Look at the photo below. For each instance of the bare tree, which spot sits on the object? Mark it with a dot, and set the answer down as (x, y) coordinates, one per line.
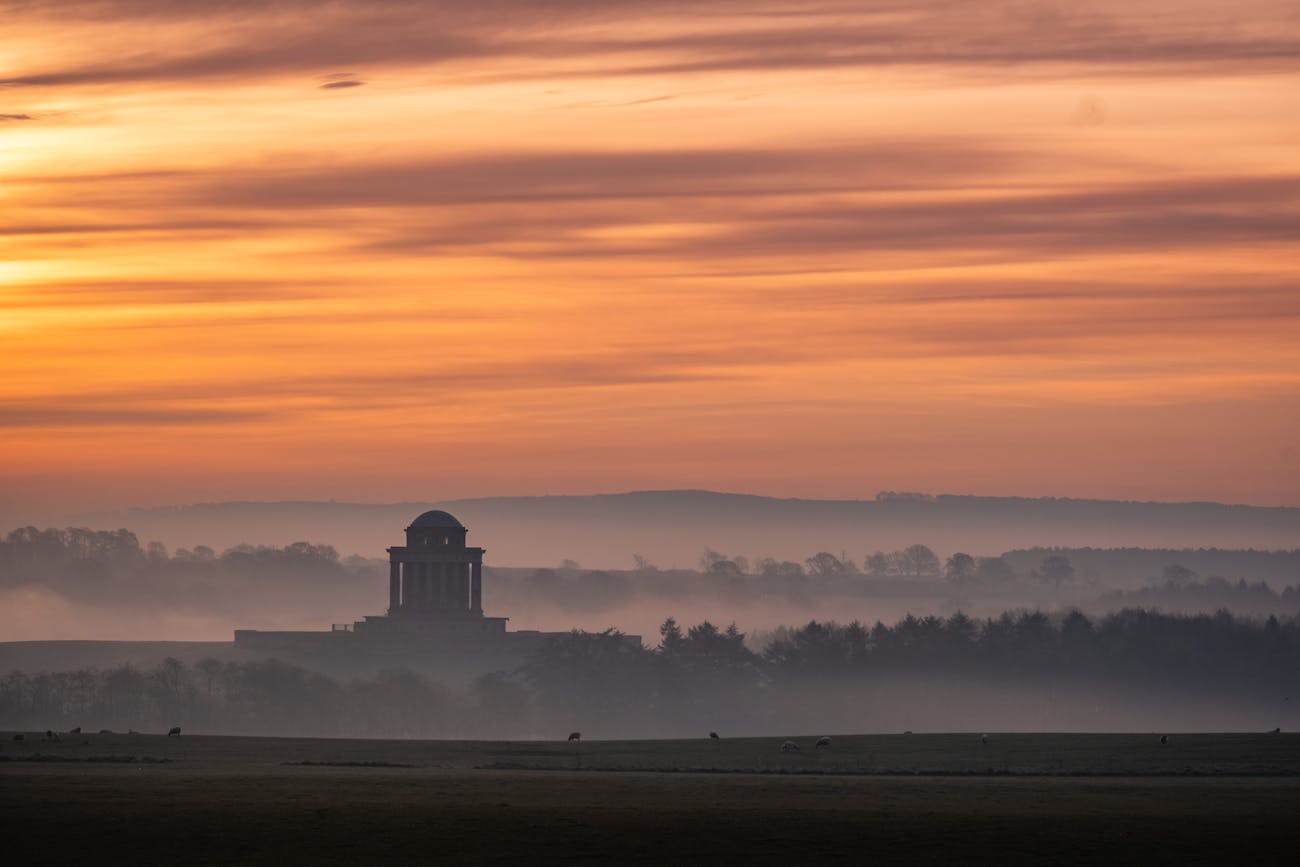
(920, 560)
(960, 568)
(1056, 569)
(826, 565)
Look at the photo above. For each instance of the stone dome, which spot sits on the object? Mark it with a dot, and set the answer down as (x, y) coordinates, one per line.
(436, 518)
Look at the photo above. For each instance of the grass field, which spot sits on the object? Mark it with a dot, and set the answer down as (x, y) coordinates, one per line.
(149, 799)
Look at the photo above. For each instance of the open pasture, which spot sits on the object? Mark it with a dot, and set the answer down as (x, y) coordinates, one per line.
(888, 798)
(1234, 754)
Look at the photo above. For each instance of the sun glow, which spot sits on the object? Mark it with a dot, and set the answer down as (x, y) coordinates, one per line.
(642, 250)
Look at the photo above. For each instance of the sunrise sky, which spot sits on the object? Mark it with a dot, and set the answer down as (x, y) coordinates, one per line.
(393, 251)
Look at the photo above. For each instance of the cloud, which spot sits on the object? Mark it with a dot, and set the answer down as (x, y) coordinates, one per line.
(907, 223)
(90, 412)
(244, 41)
(4, 117)
(215, 402)
(825, 207)
(341, 80)
(649, 100)
(113, 293)
(593, 175)
(798, 203)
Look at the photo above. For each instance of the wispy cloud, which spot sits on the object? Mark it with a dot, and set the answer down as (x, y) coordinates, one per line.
(747, 243)
(341, 81)
(798, 203)
(580, 39)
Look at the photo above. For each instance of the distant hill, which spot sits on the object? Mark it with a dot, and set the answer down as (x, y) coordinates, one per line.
(672, 528)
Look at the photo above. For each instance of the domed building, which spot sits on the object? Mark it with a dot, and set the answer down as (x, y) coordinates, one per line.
(435, 573)
(434, 624)
(435, 598)
(435, 582)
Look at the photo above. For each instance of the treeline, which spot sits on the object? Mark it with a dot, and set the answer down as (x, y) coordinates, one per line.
(79, 557)
(904, 572)
(1183, 594)
(963, 579)
(114, 567)
(940, 671)
(915, 561)
(1132, 567)
(1111, 567)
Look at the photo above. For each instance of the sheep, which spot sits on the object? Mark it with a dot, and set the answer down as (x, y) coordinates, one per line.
(984, 739)
(823, 743)
(713, 736)
(174, 731)
(789, 747)
(575, 736)
(1164, 740)
(49, 734)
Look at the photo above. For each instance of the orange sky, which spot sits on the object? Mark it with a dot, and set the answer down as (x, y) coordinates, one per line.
(413, 251)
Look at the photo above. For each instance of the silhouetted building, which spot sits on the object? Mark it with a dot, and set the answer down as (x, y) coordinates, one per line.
(435, 583)
(435, 607)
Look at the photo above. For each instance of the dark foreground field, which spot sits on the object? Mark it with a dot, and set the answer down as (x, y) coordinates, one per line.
(148, 799)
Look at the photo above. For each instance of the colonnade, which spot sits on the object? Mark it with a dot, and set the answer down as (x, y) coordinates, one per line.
(435, 586)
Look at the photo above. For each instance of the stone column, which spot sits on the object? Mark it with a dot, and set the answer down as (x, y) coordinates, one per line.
(476, 587)
(408, 586)
(443, 595)
(394, 586)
